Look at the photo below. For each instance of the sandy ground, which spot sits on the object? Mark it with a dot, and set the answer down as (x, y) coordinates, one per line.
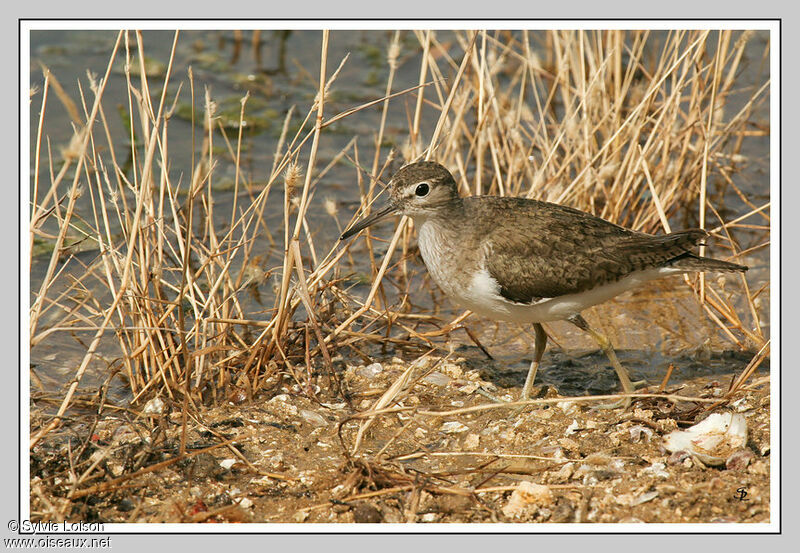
(428, 458)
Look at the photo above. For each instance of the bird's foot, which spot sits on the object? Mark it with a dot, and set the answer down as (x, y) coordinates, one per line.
(625, 401)
(532, 393)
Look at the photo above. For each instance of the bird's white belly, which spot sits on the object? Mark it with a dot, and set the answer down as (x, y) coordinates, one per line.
(483, 298)
(471, 286)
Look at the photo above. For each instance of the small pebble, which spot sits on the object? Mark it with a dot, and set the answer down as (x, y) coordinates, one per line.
(739, 460)
(370, 371)
(527, 494)
(472, 441)
(508, 434)
(678, 457)
(238, 396)
(758, 467)
(598, 458)
(452, 503)
(364, 512)
(125, 505)
(569, 444)
(452, 370)
(565, 472)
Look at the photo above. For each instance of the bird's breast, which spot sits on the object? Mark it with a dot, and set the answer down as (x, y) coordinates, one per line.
(448, 265)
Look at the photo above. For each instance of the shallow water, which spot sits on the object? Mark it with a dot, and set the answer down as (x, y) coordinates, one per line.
(650, 327)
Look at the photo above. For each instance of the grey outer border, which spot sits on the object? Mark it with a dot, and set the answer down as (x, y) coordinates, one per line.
(689, 9)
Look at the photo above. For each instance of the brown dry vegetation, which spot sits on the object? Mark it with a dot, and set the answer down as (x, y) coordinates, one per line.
(638, 133)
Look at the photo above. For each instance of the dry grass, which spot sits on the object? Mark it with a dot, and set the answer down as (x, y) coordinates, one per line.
(631, 127)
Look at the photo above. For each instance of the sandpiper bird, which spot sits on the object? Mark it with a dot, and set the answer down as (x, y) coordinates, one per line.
(528, 261)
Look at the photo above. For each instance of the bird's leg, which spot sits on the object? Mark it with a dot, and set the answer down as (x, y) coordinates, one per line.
(605, 345)
(539, 345)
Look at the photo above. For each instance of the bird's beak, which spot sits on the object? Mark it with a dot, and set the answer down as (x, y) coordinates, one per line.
(388, 210)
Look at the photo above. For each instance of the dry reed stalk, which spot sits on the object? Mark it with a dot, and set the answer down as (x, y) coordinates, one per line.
(186, 243)
(36, 308)
(282, 316)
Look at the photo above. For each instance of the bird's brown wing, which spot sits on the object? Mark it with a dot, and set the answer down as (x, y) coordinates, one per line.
(554, 250)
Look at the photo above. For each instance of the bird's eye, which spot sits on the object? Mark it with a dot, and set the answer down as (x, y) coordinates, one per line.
(422, 189)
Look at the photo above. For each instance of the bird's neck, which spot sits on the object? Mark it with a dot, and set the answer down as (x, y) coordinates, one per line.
(445, 216)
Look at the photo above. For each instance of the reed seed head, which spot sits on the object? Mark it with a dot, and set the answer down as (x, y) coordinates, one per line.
(393, 54)
(291, 177)
(330, 207)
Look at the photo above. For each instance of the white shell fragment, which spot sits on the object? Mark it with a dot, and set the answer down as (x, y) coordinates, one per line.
(313, 418)
(154, 407)
(572, 428)
(630, 500)
(711, 440)
(227, 463)
(437, 379)
(657, 469)
(454, 427)
(640, 433)
(370, 371)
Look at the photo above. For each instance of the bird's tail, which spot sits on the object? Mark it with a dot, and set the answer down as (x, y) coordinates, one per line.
(691, 262)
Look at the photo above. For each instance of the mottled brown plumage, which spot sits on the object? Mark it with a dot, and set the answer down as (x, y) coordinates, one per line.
(545, 250)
